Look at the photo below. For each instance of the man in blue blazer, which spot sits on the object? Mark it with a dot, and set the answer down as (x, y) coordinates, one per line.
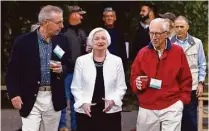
(34, 89)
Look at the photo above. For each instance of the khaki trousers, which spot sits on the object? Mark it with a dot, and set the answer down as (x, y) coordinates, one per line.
(43, 117)
(168, 119)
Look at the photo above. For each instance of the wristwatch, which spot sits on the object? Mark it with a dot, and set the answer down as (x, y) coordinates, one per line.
(202, 82)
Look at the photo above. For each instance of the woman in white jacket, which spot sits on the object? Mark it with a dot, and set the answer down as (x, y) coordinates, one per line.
(98, 86)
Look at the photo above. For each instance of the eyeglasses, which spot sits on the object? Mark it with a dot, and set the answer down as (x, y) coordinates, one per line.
(157, 34)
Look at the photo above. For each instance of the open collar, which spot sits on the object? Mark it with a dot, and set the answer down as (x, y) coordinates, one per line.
(150, 46)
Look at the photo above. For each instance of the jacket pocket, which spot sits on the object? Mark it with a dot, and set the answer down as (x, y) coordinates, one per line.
(192, 57)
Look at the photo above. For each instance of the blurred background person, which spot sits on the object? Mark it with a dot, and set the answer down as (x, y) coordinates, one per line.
(170, 17)
(117, 46)
(77, 40)
(142, 38)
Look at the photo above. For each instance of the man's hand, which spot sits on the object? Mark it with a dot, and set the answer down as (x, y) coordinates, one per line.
(56, 68)
(87, 108)
(109, 104)
(17, 102)
(199, 90)
(138, 83)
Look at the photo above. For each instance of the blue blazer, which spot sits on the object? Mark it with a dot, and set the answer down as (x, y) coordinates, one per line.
(23, 75)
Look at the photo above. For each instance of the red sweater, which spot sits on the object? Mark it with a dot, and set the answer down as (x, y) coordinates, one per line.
(172, 69)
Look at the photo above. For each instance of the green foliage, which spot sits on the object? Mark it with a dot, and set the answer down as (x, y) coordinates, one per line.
(17, 17)
(195, 11)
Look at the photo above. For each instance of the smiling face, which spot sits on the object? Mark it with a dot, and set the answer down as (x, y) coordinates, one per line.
(109, 18)
(99, 41)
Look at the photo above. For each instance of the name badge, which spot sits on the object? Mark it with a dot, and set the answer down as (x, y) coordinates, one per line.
(155, 83)
(58, 51)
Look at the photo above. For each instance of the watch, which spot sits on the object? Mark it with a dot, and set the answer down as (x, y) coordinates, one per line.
(202, 82)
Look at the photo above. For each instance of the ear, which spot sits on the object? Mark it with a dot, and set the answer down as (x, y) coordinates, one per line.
(187, 27)
(151, 14)
(103, 18)
(115, 18)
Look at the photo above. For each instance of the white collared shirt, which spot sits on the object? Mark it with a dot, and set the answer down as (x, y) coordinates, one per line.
(183, 43)
(145, 26)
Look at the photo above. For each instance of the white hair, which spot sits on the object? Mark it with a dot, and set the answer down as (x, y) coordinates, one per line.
(162, 21)
(94, 31)
(46, 13)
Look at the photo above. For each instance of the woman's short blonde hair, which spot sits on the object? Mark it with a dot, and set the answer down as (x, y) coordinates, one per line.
(99, 29)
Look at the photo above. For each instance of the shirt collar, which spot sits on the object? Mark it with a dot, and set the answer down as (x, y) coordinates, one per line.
(145, 26)
(189, 38)
(182, 41)
(107, 54)
(41, 38)
(163, 49)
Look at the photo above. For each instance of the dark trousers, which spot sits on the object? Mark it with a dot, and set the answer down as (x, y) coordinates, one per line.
(189, 119)
(99, 121)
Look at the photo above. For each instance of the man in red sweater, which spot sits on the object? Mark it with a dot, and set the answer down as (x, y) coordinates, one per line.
(161, 78)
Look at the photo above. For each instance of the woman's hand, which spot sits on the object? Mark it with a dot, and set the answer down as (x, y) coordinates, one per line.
(109, 104)
(87, 108)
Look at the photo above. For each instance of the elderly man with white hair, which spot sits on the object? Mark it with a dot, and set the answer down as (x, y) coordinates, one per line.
(161, 78)
(98, 86)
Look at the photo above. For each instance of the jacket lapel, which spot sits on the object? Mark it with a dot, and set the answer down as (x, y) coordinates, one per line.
(34, 42)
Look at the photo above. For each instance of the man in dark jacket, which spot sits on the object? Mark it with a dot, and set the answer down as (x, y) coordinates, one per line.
(117, 46)
(77, 40)
(34, 89)
(141, 39)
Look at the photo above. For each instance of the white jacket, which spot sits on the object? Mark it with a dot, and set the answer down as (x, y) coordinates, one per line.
(84, 81)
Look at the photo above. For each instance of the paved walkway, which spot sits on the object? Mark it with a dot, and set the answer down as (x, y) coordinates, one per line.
(11, 121)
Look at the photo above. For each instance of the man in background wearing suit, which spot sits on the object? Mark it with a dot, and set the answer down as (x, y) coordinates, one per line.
(142, 38)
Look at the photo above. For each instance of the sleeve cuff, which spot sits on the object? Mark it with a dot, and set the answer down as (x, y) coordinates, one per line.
(201, 78)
